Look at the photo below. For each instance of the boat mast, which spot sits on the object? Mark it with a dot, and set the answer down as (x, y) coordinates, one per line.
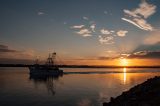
(51, 59)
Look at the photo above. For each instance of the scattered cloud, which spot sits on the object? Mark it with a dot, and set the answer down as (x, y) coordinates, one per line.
(124, 55)
(130, 13)
(140, 23)
(84, 32)
(4, 48)
(64, 23)
(146, 55)
(112, 31)
(144, 10)
(139, 15)
(132, 22)
(85, 18)
(40, 13)
(86, 35)
(77, 26)
(122, 33)
(104, 58)
(149, 47)
(109, 55)
(141, 53)
(92, 22)
(15, 61)
(93, 26)
(7, 54)
(105, 12)
(153, 38)
(28, 54)
(106, 39)
(105, 31)
(105, 36)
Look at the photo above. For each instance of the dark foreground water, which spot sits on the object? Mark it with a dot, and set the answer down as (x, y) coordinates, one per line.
(77, 87)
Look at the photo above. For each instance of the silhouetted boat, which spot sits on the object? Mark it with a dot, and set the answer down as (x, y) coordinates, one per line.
(49, 69)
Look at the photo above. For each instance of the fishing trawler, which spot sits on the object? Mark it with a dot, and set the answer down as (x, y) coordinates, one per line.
(48, 69)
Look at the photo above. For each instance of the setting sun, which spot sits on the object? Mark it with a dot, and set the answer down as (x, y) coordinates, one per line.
(123, 62)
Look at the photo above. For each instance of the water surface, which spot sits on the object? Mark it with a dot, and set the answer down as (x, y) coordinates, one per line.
(77, 87)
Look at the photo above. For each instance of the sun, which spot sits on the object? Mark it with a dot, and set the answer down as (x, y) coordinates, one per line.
(123, 62)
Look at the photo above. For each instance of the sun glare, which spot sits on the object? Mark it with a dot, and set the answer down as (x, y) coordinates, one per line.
(123, 62)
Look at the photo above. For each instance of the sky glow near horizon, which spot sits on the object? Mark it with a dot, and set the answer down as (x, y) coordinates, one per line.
(92, 32)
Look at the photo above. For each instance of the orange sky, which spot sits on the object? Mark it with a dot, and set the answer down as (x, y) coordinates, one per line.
(116, 62)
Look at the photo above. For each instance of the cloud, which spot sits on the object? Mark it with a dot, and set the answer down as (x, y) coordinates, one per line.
(146, 47)
(4, 48)
(106, 39)
(105, 58)
(132, 22)
(85, 18)
(108, 55)
(86, 35)
(77, 26)
(151, 42)
(146, 55)
(122, 33)
(84, 32)
(64, 23)
(144, 10)
(93, 26)
(124, 55)
(15, 61)
(153, 38)
(140, 23)
(143, 23)
(105, 12)
(139, 15)
(107, 36)
(40, 13)
(27, 54)
(11, 55)
(112, 31)
(130, 13)
(105, 31)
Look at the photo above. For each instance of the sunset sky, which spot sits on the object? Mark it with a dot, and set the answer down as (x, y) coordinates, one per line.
(88, 32)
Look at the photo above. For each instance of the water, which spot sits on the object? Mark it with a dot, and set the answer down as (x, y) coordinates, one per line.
(77, 87)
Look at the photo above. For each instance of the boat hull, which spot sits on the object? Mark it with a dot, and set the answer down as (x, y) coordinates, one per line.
(45, 71)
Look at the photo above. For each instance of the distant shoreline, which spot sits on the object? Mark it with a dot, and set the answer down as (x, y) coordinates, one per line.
(79, 66)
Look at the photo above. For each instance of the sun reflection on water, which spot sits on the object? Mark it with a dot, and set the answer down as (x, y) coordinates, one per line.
(124, 75)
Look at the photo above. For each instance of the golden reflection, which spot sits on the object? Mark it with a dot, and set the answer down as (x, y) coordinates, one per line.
(124, 75)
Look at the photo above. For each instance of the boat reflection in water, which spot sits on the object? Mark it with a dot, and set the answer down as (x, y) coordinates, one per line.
(47, 80)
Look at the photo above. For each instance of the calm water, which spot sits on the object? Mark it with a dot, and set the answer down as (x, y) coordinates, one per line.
(77, 87)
